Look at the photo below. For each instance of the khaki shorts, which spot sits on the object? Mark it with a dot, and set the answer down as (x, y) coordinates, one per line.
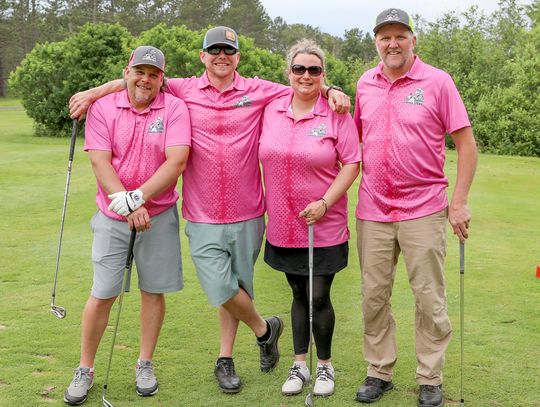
(156, 252)
(224, 256)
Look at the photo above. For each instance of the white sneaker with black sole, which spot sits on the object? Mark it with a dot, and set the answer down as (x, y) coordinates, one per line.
(298, 377)
(82, 382)
(324, 382)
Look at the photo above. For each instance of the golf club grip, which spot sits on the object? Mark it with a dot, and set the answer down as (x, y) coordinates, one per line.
(129, 258)
(73, 138)
(461, 257)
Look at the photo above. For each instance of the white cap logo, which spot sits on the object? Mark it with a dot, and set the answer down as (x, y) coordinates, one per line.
(150, 56)
(392, 16)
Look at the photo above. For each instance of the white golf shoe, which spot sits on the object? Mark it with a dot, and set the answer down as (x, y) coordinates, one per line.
(298, 376)
(324, 382)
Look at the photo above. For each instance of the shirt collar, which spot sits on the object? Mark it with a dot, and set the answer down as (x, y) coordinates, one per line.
(416, 72)
(320, 109)
(239, 83)
(123, 102)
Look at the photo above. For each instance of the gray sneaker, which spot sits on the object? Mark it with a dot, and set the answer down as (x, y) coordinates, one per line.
(82, 382)
(146, 383)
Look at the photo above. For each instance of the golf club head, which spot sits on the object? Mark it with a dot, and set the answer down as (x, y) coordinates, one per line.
(58, 312)
(106, 403)
(309, 400)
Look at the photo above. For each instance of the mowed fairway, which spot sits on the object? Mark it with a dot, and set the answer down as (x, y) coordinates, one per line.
(38, 351)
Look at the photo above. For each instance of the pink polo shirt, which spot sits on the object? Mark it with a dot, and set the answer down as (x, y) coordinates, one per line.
(222, 180)
(300, 160)
(402, 126)
(137, 142)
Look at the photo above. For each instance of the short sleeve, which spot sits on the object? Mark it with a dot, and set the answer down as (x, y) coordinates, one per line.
(96, 134)
(348, 142)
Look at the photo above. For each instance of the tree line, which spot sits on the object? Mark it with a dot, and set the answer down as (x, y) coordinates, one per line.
(493, 58)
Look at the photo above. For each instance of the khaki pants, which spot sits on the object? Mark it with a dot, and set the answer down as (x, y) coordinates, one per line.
(423, 244)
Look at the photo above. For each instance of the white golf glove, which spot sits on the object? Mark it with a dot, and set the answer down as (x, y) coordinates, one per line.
(125, 202)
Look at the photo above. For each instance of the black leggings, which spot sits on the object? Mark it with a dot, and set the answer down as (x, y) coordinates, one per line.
(323, 314)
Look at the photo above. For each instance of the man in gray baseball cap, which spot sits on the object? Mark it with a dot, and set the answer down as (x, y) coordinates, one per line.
(138, 142)
(404, 109)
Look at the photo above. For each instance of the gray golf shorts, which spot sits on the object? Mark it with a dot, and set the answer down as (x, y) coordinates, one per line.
(156, 252)
(224, 256)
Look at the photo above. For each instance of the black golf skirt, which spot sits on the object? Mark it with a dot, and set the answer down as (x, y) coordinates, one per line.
(326, 260)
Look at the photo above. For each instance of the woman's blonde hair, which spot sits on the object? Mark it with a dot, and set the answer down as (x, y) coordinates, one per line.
(304, 46)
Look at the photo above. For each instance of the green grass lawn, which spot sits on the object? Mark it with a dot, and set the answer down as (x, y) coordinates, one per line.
(38, 352)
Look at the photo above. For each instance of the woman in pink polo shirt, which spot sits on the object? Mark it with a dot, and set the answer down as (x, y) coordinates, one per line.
(310, 157)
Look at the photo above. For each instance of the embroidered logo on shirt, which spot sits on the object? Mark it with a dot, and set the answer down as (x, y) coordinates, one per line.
(416, 98)
(244, 101)
(318, 131)
(157, 126)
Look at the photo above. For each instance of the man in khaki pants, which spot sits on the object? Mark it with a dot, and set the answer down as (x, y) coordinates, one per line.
(403, 110)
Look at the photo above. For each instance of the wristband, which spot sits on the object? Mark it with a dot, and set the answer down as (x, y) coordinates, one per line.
(332, 87)
(325, 205)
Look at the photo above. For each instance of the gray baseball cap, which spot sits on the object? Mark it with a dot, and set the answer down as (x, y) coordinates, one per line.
(393, 16)
(147, 55)
(220, 35)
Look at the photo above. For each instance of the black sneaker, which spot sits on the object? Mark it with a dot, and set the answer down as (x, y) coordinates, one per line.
(430, 396)
(269, 348)
(227, 379)
(372, 390)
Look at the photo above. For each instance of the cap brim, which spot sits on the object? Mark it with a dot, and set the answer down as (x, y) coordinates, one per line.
(223, 43)
(146, 63)
(378, 27)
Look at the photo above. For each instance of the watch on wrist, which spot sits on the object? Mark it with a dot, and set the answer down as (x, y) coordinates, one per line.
(333, 87)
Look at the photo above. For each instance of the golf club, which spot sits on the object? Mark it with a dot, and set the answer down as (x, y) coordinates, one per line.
(309, 397)
(461, 306)
(127, 271)
(56, 310)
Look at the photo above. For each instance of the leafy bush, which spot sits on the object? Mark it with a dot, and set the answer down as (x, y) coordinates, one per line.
(52, 72)
(507, 119)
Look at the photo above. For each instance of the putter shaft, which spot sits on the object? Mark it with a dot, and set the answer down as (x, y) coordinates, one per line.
(309, 397)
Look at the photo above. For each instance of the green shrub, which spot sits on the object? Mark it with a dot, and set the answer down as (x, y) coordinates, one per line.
(52, 72)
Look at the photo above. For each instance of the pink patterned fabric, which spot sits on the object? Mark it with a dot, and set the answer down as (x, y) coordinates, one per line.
(137, 142)
(300, 161)
(402, 126)
(222, 181)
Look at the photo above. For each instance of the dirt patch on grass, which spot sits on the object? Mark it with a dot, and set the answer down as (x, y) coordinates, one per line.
(45, 394)
(48, 358)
